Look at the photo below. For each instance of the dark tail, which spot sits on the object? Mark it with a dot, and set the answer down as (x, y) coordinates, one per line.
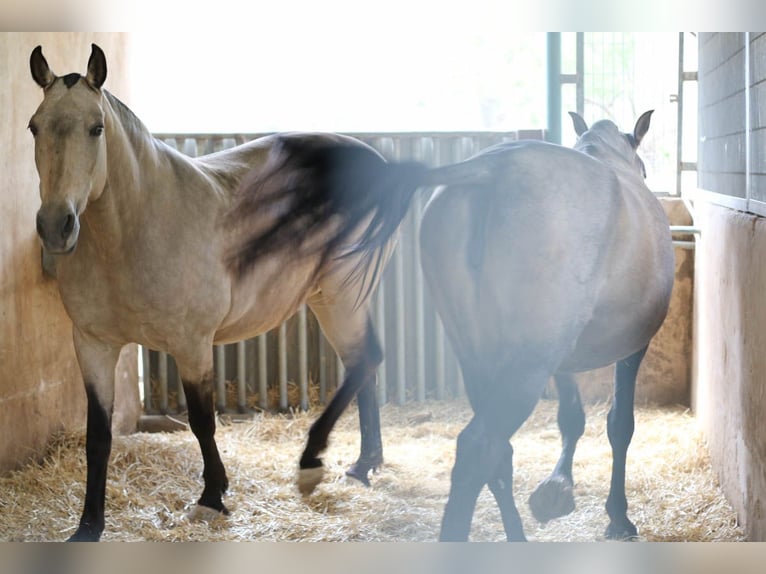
(321, 194)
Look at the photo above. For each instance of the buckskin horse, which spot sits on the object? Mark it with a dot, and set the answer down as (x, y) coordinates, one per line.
(137, 233)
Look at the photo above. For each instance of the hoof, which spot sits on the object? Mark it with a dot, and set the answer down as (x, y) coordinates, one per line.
(202, 513)
(84, 535)
(621, 530)
(360, 473)
(309, 478)
(552, 498)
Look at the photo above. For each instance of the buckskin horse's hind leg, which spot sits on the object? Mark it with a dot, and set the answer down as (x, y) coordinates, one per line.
(553, 497)
(97, 363)
(371, 452)
(350, 331)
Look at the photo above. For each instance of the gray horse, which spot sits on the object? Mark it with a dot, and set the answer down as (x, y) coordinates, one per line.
(542, 261)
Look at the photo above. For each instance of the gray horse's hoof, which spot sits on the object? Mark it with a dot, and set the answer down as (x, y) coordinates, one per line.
(621, 530)
(360, 470)
(552, 498)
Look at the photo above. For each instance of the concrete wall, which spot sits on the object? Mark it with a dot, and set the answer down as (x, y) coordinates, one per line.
(729, 393)
(41, 389)
(728, 382)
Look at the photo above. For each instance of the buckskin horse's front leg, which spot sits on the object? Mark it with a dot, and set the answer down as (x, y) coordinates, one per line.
(97, 363)
(197, 378)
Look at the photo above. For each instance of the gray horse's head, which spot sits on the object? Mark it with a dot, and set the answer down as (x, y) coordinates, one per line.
(605, 141)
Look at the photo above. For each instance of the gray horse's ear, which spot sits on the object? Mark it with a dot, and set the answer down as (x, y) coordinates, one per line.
(96, 75)
(642, 126)
(41, 72)
(580, 126)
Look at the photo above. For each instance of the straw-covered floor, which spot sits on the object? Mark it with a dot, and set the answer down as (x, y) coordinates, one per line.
(154, 479)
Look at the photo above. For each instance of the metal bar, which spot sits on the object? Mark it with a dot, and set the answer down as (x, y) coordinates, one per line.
(399, 306)
(220, 378)
(553, 57)
(748, 123)
(684, 229)
(282, 351)
(162, 368)
(399, 329)
(241, 377)
(263, 372)
(340, 371)
(580, 72)
(680, 111)
(181, 393)
(146, 372)
(303, 360)
(380, 320)
(322, 369)
(439, 358)
(420, 321)
(460, 382)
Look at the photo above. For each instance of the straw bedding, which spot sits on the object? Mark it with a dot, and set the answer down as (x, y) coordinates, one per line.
(155, 478)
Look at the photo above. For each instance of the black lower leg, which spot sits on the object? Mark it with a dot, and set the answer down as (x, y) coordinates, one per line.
(501, 486)
(199, 399)
(371, 455)
(98, 445)
(571, 422)
(554, 497)
(620, 426)
(469, 475)
(358, 376)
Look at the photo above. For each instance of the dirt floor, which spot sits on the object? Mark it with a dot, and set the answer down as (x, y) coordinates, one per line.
(154, 479)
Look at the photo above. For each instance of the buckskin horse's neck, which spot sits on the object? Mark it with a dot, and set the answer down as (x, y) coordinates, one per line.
(134, 167)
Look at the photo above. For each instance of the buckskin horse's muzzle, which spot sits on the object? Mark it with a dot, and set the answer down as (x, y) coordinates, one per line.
(58, 226)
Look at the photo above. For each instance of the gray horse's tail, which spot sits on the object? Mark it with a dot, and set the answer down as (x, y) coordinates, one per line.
(322, 194)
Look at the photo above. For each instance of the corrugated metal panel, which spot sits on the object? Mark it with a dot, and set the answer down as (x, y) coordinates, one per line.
(294, 366)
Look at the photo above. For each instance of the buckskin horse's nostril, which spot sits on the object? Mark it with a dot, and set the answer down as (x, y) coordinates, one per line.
(39, 225)
(68, 226)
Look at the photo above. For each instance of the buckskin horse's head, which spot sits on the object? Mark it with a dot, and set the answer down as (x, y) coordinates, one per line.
(70, 147)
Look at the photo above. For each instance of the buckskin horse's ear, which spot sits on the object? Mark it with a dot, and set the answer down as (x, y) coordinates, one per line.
(642, 126)
(96, 75)
(41, 72)
(580, 126)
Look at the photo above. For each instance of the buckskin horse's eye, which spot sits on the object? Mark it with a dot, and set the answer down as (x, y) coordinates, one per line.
(97, 130)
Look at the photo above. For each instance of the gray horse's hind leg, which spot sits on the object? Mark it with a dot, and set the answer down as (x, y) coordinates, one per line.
(501, 486)
(620, 424)
(484, 454)
(553, 497)
(199, 400)
(474, 459)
